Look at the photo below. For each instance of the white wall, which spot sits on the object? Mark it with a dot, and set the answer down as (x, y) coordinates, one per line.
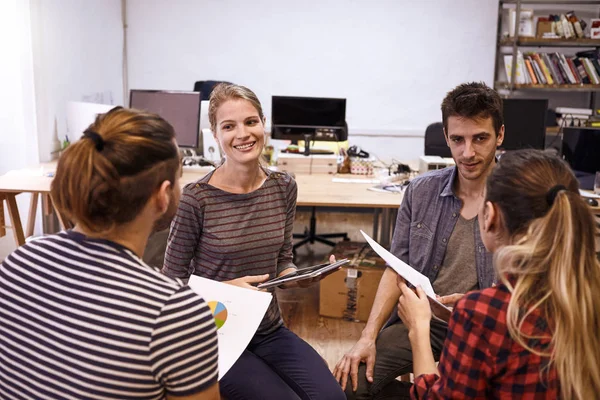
(77, 47)
(393, 60)
(18, 142)
(18, 135)
(53, 51)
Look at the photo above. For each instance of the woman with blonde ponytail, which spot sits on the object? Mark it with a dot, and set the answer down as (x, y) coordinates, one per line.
(536, 334)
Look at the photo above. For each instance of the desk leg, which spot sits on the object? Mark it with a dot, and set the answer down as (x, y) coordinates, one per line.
(385, 228)
(376, 213)
(46, 204)
(393, 219)
(32, 213)
(2, 221)
(15, 220)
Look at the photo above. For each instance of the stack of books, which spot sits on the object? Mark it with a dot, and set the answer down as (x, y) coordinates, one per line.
(555, 68)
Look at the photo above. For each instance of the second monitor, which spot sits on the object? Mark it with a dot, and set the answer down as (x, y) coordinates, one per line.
(524, 124)
(316, 118)
(180, 109)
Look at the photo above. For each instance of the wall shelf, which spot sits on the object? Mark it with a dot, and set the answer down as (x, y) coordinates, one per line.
(564, 88)
(555, 2)
(539, 42)
(514, 45)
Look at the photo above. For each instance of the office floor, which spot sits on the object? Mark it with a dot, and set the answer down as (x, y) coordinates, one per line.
(331, 337)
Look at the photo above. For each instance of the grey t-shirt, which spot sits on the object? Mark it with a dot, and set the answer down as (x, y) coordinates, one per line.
(458, 273)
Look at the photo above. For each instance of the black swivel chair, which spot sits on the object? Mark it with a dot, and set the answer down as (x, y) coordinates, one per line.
(310, 234)
(206, 88)
(435, 141)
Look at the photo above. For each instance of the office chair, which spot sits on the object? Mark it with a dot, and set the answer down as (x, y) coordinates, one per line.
(435, 141)
(206, 88)
(310, 234)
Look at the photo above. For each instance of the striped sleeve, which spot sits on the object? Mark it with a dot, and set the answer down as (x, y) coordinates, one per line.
(184, 236)
(183, 347)
(284, 260)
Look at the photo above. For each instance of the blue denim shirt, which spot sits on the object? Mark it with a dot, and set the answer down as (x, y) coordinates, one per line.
(426, 219)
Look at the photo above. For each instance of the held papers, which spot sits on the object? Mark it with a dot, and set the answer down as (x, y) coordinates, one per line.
(237, 312)
(412, 276)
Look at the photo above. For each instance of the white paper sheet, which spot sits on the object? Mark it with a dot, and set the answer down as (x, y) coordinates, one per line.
(403, 269)
(413, 277)
(238, 313)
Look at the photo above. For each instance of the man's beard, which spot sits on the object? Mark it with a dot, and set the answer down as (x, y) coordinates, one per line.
(164, 221)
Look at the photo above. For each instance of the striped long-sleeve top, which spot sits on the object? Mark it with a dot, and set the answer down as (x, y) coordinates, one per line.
(84, 318)
(223, 236)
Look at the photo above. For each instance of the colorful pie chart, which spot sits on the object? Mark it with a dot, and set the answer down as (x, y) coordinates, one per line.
(219, 312)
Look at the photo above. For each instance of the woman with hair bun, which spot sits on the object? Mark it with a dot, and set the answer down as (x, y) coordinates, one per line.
(81, 315)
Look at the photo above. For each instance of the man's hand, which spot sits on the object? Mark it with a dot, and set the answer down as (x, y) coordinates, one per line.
(414, 308)
(363, 351)
(451, 299)
(247, 281)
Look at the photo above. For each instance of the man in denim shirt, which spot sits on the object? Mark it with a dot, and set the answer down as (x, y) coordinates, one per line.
(437, 234)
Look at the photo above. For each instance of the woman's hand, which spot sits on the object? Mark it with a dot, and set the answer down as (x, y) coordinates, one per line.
(304, 283)
(413, 308)
(451, 299)
(247, 281)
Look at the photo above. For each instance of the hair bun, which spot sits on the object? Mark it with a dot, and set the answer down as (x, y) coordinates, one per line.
(96, 138)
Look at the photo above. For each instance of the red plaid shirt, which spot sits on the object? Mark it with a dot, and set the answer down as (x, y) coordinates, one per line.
(481, 360)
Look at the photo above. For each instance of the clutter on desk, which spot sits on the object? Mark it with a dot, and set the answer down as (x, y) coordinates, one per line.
(343, 162)
(312, 164)
(292, 148)
(390, 187)
(200, 161)
(268, 154)
(430, 163)
(361, 166)
(357, 152)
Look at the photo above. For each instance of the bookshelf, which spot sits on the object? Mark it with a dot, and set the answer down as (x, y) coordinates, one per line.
(557, 88)
(512, 46)
(541, 42)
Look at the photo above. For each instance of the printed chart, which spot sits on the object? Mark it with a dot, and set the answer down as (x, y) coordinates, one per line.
(219, 312)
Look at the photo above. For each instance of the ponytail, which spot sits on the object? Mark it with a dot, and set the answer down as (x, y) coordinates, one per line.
(551, 265)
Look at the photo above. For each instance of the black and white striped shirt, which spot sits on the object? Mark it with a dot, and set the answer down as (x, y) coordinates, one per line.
(84, 318)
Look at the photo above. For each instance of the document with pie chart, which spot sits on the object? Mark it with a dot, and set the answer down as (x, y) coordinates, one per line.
(237, 313)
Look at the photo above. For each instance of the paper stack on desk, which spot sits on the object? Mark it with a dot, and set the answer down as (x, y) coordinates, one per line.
(237, 312)
(411, 276)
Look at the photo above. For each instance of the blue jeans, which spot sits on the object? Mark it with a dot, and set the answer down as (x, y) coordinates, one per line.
(280, 366)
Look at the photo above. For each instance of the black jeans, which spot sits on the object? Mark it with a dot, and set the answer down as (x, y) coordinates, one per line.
(393, 358)
(280, 366)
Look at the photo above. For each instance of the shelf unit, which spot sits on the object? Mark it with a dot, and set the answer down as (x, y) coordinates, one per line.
(556, 88)
(515, 43)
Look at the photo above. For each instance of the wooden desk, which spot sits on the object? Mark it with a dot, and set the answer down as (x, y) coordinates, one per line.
(313, 190)
(28, 180)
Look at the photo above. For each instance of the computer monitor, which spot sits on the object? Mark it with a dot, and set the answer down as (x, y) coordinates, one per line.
(524, 124)
(581, 149)
(294, 118)
(179, 108)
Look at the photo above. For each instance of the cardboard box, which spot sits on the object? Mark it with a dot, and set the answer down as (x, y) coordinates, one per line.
(349, 292)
